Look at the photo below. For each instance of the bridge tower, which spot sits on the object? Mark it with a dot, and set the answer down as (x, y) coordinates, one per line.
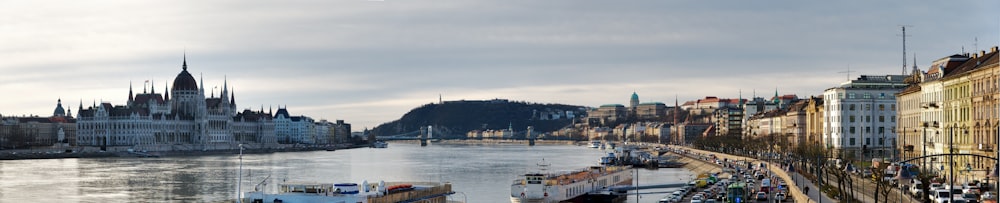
(423, 136)
(531, 137)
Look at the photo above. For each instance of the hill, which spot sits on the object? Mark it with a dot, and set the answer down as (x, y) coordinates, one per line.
(456, 118)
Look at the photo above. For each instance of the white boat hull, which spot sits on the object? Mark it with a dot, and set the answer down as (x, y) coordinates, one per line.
(554, 191)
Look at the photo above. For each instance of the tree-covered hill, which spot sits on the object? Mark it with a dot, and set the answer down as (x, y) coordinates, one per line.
(456, 118)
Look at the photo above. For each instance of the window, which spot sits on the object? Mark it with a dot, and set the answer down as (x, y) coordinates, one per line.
(893, 118)
(852, 107)
(868, 118)
(881, 118)
(852, 118)
(881, 107)
(850, 96)
(881, 130)
(852, 141)
(881, 141)
(892, 107)
(852, 132)
(868, 141)
(868, 129)
(868, 95)
(840, 95)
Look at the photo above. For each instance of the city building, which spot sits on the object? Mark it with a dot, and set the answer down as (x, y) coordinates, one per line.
(909, 125)
(814, 120)
(186, 121)
(294, 129)
(794, 121)
(860, 116)
(985, 119)
(58, 130)
(651, 110)
(689, 132)
(607, 114)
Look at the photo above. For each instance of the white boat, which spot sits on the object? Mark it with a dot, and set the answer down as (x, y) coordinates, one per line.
(380, 144)
(353, 192)
(609, 159)
(595, 144)
(552, 188)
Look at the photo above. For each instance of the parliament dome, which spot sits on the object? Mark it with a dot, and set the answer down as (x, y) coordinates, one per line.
(184, 80)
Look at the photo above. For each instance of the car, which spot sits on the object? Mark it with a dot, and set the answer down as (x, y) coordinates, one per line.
(866, 173)
(697, 199)
(917, 189)
(970, 197)
(761, 196)
(710, 201)
(988, 195)
(664, 200)
(970, 189)
(780, 197)
(940, 196)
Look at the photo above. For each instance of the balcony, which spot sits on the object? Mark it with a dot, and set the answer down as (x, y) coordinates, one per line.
(986, 147)
(908, 148)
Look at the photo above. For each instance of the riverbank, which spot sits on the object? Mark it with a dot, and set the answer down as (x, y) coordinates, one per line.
(697, 166)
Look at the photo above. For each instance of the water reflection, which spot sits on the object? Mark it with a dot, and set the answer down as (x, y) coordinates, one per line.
(483, 172)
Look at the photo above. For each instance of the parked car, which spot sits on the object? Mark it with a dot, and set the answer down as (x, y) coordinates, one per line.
(970, 197)
(939, 196)
(988, 195)
(917, 189)
(937, 186)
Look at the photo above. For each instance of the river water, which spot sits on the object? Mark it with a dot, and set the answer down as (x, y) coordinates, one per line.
(479, 172)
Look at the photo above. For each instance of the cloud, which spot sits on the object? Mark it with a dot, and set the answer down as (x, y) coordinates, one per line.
(369, 62)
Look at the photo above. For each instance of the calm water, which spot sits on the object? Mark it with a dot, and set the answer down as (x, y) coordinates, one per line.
(482, 172)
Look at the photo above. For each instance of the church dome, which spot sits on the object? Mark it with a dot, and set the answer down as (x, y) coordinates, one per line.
(59, 109)
(184, 80)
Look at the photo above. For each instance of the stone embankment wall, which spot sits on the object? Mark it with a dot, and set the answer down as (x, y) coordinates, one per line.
(794, 192)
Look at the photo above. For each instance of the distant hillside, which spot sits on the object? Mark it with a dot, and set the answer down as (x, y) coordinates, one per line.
(455, 118)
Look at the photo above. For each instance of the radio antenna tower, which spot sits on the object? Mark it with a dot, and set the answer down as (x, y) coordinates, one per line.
(903, 72)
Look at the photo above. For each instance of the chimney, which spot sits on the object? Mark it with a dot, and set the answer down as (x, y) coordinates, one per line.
(993, 49)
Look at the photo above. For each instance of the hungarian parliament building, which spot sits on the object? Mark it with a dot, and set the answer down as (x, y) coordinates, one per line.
(182, 118)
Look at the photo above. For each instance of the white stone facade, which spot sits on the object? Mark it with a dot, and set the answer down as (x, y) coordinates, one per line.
(861, 113)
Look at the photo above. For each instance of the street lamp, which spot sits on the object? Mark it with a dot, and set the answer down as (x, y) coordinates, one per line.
(924, 141)
(239, 190)
(951, 159)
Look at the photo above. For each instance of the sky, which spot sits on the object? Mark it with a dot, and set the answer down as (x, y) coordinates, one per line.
(370, 62)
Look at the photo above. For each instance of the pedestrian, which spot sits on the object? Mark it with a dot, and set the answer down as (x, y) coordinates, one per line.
(806, 190)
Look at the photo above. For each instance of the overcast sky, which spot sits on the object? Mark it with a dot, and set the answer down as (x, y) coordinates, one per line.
(369, 62)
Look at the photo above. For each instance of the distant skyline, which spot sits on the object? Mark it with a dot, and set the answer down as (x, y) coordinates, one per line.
(369, 62)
